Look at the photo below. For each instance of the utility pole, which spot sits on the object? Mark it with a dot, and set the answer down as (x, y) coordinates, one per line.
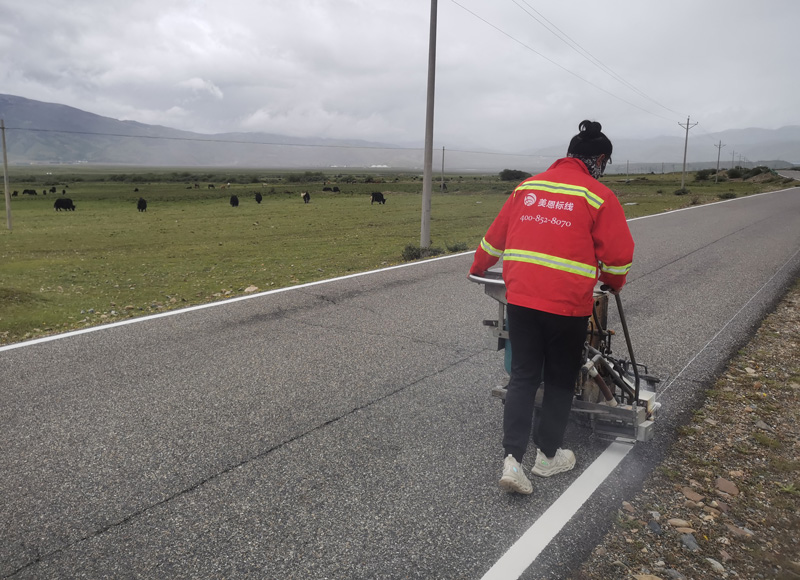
(685, 149)
(5, 174)
(427, 176)
(441, 186)
(733, 154)
(719, 147)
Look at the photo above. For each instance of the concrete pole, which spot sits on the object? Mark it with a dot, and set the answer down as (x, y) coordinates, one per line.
(685, 149)
(5, 174)
(719, 152)
(441, 187)
(427, 176)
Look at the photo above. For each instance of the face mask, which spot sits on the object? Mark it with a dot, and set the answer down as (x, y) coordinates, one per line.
(591, 164)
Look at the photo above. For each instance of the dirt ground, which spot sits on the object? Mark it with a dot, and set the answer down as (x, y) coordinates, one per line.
(724, 504)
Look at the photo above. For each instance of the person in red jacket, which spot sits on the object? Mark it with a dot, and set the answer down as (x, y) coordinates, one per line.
(558, 233)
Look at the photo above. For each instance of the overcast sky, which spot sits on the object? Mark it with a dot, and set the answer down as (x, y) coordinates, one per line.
(358, 68)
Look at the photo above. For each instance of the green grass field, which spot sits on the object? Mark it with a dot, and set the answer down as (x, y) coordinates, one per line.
(107, 261)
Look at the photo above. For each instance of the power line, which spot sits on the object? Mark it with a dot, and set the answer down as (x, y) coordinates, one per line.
(574, 45)
(273, 144)
(553, 29)
(565, 69)
(709, 136)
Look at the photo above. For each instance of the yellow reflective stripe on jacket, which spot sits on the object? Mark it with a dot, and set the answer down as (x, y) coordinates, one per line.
(618, 270)
(562, 188)
(587, 270)
(490, 249)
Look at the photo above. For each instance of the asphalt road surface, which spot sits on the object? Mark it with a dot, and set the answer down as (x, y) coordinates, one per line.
(345, 429)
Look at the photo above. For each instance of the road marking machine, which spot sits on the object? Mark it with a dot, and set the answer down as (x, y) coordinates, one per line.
(614, 396)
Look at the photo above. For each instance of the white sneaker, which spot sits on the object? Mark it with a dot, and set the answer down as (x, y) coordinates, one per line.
(514, 477)
(564, 460)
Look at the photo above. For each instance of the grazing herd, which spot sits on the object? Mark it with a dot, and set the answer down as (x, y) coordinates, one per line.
(34, 192)
(66, 204)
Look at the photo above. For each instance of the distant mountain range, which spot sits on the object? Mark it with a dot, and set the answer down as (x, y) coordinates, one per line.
(42, 133)
(776, 148)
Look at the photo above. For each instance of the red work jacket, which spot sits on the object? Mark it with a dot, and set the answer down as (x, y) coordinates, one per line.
(557, 233)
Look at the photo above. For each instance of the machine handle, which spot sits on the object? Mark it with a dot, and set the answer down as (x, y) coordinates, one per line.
(484, 280)
(627, 337)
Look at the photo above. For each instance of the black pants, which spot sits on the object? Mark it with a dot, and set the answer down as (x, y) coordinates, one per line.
(544, 347)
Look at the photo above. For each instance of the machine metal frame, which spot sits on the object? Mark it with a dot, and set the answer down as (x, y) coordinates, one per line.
(615, 397)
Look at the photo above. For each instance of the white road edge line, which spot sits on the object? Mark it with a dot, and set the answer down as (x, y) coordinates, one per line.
(299, 286)
(523, 553)
(693, 207)
(724, 326)
(219, 303)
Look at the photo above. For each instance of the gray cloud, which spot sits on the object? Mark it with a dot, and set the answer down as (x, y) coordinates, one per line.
(358, 68)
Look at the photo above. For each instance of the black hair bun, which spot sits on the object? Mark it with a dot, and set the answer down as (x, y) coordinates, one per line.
(591, 128)
(590, 141)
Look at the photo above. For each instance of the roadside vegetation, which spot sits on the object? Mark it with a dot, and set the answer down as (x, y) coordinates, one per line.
(106, 261)
(723, 503)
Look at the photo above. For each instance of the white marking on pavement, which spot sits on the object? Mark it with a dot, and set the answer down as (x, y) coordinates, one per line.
(218, 303)
(724, 326)
(525, 551)
(693, 207)
(522, 554)
(299, 286)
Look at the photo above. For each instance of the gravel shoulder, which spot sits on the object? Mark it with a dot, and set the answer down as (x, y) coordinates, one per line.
(724, 503)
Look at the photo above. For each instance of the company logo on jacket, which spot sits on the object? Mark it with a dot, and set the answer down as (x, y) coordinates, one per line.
(530, 199)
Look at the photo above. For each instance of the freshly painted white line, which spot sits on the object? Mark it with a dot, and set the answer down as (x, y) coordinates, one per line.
(522, 554)
(724, 326)
(219, 303)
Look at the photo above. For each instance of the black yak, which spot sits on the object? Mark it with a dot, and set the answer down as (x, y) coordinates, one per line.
(64, 203)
